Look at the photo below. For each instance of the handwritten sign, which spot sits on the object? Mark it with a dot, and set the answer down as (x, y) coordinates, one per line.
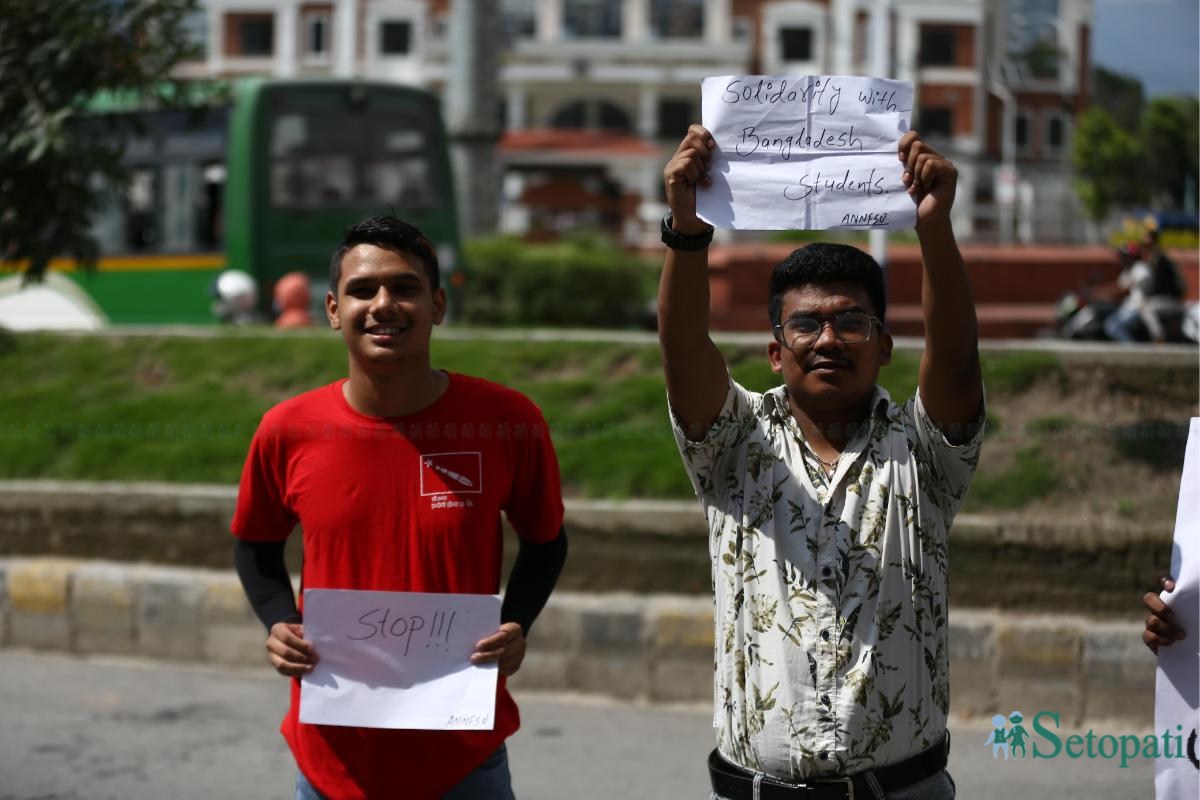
(1177, 691)
(807, 152)
(399, 660)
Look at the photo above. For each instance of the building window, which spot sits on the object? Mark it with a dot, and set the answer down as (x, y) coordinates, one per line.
(1056, 134)
(674, 117)
(612, 118)
(519, 19)
(677, 19)
(592, 19)
(1042, 59)
(862, 38)
(395, 37)
(256, 36)
(316, 36)
(937, 47)
(572, 117)
(936, 122)
(1021, 131)
(795, 44)
(592, 115)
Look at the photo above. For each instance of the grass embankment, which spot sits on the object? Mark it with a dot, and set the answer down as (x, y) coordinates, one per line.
(183, 409)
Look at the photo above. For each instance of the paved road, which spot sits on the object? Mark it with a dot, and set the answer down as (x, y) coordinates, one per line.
(105, 728)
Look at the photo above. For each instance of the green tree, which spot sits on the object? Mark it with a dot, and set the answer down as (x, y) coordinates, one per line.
(1108, 163)
(1170, 139)
(1120, 95)
(55, 55)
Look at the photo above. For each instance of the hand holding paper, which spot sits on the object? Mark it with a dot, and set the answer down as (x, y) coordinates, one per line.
(1161, 628)
(930, 178)
(506, 648)
(685, 174)
(288, 651)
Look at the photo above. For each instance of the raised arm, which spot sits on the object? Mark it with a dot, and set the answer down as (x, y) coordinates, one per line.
(697, 378)
(951, 385)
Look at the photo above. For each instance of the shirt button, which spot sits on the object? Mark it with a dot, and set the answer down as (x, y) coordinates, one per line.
(824, 756)
(825, 635)
(826, 571)
(825, 699)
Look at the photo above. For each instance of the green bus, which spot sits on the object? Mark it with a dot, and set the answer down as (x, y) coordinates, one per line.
(262, 176)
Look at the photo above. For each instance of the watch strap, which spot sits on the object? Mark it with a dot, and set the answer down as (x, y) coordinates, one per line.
(678, 241)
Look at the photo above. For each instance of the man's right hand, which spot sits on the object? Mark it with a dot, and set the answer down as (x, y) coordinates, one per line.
(686, 170)
(1161, 630)
(288, 651)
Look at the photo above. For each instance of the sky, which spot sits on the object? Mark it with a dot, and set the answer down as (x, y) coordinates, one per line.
(1157, 41)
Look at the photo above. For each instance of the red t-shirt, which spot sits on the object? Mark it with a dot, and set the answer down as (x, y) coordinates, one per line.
(406, 504)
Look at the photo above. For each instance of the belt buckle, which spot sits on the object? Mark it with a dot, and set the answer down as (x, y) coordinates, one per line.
(849, 786)
(810, 788)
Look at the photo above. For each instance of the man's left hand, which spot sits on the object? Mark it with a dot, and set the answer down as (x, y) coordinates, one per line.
(506, 646)
(931, 179)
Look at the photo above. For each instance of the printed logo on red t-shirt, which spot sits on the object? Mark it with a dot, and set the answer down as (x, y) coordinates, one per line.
(451, 473)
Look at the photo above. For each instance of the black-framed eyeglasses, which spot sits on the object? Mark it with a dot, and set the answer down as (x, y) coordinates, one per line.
(852, 327)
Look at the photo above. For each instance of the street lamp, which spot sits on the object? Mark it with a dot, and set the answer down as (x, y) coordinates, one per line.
(881, 18)
(1006, 177)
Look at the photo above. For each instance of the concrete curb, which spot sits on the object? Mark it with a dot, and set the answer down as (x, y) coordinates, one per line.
(1004, 561)
(655, 648)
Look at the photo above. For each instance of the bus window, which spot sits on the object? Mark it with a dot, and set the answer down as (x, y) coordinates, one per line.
(210, 221)
(314, 180)
(181, 195)
(140, 226)
(401, 182)
(289, 132)
(398, 169)
(312, 162)
(108, 224)
(319, 160)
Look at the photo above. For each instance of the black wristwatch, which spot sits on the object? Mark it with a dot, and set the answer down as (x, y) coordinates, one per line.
(678, 241)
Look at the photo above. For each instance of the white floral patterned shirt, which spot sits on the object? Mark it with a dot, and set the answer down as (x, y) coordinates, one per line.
(830, 592)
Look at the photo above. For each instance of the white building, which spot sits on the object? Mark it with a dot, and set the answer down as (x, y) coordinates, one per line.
(596, 93)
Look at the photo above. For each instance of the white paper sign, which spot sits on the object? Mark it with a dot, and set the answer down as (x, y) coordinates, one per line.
(399, 660)
(807, 152)
(1177, 691)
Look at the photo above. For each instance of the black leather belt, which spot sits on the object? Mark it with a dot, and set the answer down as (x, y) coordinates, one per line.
(734, 783)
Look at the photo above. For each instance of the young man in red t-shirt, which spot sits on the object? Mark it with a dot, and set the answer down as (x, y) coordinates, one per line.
(397, 476)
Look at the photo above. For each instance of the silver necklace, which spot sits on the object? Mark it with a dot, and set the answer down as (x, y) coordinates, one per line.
(830, 466)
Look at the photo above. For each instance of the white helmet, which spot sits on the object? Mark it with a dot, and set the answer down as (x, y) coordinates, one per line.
(236, 296)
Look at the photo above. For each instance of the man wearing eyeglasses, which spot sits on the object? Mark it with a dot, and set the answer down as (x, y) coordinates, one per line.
(828, 504)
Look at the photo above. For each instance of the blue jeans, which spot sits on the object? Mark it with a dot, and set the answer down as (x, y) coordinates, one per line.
(1120, 324)
(491, 780)
(935, 787)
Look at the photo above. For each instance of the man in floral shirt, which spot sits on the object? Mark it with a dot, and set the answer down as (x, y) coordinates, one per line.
(828, 504)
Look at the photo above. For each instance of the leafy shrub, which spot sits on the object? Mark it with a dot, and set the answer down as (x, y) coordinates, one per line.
(583, 281)
(1159, 443)
(1030, 478)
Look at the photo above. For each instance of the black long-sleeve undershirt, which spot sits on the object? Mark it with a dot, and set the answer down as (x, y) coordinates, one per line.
(268, 587)
(533, 576)
(265, 579)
